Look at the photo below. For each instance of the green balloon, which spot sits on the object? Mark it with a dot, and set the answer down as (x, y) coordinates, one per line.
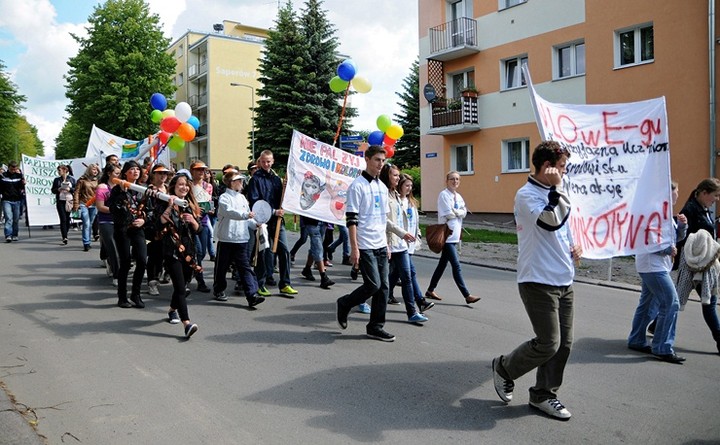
(156, 116)
(337, 85)
(176, 143)
(383, 122)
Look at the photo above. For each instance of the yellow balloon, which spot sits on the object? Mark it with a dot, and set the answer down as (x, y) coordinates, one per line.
(168, 113)
(395, 131)
(361, 84)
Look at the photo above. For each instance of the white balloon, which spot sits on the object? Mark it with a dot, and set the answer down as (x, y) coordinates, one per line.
(183, 111)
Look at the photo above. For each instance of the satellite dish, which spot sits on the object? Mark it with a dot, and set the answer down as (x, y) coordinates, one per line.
(429, 93)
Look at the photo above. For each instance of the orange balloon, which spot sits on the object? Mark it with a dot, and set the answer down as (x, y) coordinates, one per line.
(186, 132)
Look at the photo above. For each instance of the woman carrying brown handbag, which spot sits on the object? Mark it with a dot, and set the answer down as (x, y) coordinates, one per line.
(451, 211)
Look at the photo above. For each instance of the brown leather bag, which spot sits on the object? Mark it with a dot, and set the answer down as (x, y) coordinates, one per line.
(435, 236)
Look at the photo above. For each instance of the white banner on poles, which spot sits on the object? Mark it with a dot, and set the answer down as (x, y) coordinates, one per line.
(102, 144)
(618, 175)
(39, 175)
(318, 177)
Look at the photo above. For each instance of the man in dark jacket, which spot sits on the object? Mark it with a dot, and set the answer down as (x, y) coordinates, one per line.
(12, 187)
(266, 185)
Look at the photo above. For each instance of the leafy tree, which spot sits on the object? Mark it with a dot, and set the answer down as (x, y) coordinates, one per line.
(299, 59)
(66, 143)
(407, 149)
(10, 105)
(120, 64)
(28, 141)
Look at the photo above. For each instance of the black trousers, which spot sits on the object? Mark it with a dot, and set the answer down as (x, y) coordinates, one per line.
(127, 243)
(180, 273)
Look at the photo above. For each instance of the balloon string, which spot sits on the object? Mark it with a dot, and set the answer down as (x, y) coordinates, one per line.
(342, 115)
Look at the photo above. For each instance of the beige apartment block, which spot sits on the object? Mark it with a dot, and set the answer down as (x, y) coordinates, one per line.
(577, 51)
(217, 75)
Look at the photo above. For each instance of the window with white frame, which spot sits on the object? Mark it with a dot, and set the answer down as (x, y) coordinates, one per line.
(462, 158)
(512, 72)
(570, 60)
(463, 80)
(516, 155)
(503, 4)
(180, 51)
(634, 45)
(180, 79)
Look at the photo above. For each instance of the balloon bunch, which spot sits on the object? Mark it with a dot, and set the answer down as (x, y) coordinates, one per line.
(347, 77)
(387, 134)
(176, 126)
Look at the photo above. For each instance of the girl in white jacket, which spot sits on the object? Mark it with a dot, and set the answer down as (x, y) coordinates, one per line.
(234, 219)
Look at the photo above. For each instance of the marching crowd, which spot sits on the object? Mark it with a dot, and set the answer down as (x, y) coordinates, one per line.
(165, 223)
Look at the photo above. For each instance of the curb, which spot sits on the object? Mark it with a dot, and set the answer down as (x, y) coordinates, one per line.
(14, 427)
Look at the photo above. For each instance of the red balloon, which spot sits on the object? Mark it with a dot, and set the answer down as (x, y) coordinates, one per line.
(164, 136)
(389, 151)
(170, 124)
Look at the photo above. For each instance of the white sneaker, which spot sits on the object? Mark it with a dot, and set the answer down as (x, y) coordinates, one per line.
(153, 288)
(553, 408)
(115, 283)
(108, 269)
(503, 388)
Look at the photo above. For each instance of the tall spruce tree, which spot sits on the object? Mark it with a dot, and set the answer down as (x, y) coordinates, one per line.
(120, 64)
(299, 59)
(407, 149)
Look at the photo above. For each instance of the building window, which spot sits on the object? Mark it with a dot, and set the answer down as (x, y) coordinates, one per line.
(180, 79)
(513, 76)
(180, 51)
(516, 155)
(462, 158)
(504, 4)
(460, 81)
(634, 46)
(570, 60)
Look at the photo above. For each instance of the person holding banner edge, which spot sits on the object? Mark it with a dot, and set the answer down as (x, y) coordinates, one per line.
(545, 274)
(266, 185)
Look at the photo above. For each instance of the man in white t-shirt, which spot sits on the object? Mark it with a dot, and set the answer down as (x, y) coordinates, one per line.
(545, 275)
(366, 217)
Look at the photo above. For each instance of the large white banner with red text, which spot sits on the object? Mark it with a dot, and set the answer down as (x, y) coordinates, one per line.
(318, 177)
(618, 174)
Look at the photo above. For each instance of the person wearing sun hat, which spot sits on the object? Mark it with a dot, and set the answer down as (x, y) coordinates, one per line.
(233, 234)
(156, 181)
(204, 200)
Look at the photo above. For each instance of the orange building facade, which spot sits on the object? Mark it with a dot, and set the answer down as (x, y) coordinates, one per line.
(476, 115)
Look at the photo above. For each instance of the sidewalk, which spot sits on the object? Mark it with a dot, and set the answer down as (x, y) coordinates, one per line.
(14, 429)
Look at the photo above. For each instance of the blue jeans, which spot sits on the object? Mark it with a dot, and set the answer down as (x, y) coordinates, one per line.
(316, 241)
(658, 292)
(449, 255)
(202, 241)
(374, 268)
(710, 315)
(401, 266)
(87, 216)
(12, 216)
(344, 239)
(264, 266)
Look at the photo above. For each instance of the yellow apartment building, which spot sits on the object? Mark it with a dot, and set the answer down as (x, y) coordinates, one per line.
(577, 51)
(217, 75)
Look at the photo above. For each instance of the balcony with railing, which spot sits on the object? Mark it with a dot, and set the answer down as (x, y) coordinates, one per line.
(454, 39)
(198, 100)
(453, 116)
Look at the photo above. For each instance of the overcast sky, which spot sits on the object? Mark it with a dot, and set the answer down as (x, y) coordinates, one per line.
(35, 44)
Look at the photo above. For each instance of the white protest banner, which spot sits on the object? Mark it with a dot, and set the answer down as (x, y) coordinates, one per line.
(318, 177)
(618, 174)
(102, 144)
(39, 175)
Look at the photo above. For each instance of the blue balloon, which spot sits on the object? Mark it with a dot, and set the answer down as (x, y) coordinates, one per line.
(346, 70)
(158, 102)
(376, 137)
(195, 122)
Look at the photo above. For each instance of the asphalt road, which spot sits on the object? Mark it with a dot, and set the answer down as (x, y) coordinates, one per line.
(97, 374)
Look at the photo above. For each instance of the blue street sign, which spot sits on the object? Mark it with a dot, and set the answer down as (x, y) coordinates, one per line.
(349, 145)
(351, 138)
(431, 155)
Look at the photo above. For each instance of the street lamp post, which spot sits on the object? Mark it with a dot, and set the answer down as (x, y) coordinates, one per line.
(252, 131)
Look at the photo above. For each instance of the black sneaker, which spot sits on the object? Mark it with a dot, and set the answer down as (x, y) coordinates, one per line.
(269, 281)
(425, 305)
(190, 330)
(346, 261)
(392, 300)
(342, 314)
(380, 334)
(255, 300)
(173, 317)
(354, 274)
(137, 301)
(326, 282)
(202, 287)
(307, 274)
(220, 296)
(124, 304)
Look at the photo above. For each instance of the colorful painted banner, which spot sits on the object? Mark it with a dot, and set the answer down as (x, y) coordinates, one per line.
(39, 175)
(618, 174)
(318, 177)
(102, 144)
